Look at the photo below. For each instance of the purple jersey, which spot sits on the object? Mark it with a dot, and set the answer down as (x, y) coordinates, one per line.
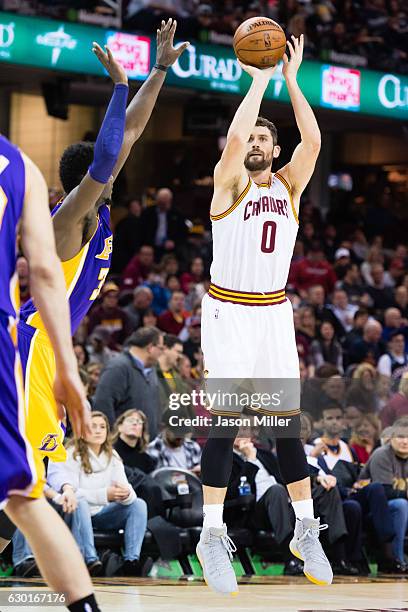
(84, 274)
(12, 191)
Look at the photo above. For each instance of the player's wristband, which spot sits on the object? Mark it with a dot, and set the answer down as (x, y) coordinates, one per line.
(161, 67)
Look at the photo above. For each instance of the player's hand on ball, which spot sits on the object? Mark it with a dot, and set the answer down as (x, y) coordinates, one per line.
(258, 73)
(116, 71)
(166, 54)
(291, 66)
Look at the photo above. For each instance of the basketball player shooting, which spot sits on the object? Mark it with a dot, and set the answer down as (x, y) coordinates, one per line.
(247, 323)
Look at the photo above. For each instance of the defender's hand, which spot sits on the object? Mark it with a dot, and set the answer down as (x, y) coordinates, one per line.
(115, 70)
(258, 73)
(166, 54)
(291, 67)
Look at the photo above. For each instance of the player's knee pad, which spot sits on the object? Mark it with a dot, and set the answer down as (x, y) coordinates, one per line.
(292, 459)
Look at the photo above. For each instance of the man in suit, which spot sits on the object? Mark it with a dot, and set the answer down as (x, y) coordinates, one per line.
(163, 227)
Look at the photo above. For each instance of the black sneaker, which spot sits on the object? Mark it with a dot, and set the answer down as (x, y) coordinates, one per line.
(137, 567)
(27, 569)
(392, 566)
(95, 568)
(293, 567)
(345, 568)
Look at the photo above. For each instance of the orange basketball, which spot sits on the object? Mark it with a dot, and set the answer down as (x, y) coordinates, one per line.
(259, 42)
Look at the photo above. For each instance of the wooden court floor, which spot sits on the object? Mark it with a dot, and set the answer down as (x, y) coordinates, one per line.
(278, 594)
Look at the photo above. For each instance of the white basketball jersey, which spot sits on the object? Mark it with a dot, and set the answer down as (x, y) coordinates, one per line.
(253, 240)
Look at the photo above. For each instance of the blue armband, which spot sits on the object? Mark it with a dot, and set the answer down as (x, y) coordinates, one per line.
(110, 137)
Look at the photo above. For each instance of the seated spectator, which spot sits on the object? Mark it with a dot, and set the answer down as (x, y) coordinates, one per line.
(149, 319)
(138, 268)
(343, 310)
(365, 437)
(161, 295)
(81, 353)
(397, 407)
(332, 390)
(167, 374)
(110, 316)
(94, 371)
(313, 269)
(305, 330)
(326, 349)
(355, 335)
(98, 475)
(335, 457)
(272, 509)
(352, 415)
(394, 363)
(141, 303)
(370, 347)
(362, 392)
(172, 320)
(130, 379)
(195, 275)
(388, 465)
(193, 342)
(352, 284)
(316, 300)
(97, 346)
(401, 300)
(128, 236)
(341, 261)
(172, 449)
(393, 322)
(23, 280)
(380, 292)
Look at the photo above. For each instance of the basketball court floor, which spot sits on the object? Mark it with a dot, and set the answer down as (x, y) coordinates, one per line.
(280, 594)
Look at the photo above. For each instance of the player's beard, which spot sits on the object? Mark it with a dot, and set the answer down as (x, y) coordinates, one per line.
(257, 164)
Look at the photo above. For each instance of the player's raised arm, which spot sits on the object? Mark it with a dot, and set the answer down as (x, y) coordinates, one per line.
(140, 108)
(49, 293)
(81, 200)
(230, 174)
(300, 169)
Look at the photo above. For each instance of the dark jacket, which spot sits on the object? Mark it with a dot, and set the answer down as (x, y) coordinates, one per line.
(240, 468)
(123, 385)
(176, 227)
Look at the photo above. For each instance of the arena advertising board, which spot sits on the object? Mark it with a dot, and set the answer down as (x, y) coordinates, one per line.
(66, 47)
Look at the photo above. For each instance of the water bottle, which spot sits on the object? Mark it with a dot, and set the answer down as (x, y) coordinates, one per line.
(181, 484)
(244, 487)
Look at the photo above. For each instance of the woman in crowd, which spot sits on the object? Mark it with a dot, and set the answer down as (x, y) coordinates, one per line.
(362, 392)
(365, 437)
(326, 349)
(131, 438)
(98, 475)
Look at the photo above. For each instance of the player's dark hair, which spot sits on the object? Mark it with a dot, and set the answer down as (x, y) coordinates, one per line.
(261, 121)
(74, 164)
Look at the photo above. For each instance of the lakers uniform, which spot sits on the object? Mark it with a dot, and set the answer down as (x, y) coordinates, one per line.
(20, 471)
(84, 276)
(247, 322)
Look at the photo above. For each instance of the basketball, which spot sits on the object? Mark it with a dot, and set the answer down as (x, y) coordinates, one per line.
(259, 42)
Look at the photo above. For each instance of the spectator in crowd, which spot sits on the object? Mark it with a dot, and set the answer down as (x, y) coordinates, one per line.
(397, 407)
(341, 262)
(149, 319)
(272, 509)
(128, 236)
(352, 284)
(171, 448)
(352, 415)
(130, 379)
(161, 294)
(94, 372)
(305, 328)
(98, 475)
(393, 322)
(326, 349)
(191, 346)
(194, 276)
(316, 299)
(139, 267)
(81, 353)
(337, 458)
(97, 347)
(343, 310)
(130, 440)
(141, 303)
(370, 347)
(388, 465)
(163, 226)
(168, 376)
(111, 316)
(23, 279)
(362, 391)
(401, 301)
(394, 363)
(365, 437)
(355, 335)
(172, 320)
(380, 292)
(343, 515)
(314, 269)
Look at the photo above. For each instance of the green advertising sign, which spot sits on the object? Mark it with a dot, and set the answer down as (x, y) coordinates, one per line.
(67, 46)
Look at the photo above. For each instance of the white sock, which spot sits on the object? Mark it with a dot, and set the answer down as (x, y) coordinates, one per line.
(213, 515)
(303, 509)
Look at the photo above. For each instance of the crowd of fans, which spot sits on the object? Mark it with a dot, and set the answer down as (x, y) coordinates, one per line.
(141, 343)
(355, 32)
